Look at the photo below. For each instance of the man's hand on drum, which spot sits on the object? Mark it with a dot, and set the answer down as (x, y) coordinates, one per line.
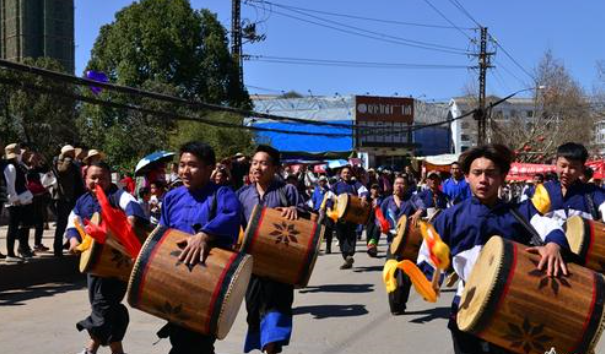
(551, 258)
(364, 202)
(415, 217)
(196, 250)
(73, 245)
(290, 213)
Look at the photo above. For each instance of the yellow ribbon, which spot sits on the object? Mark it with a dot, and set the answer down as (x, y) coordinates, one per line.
(541, 199)
(421, 284)
(438, 249)
(86, 239)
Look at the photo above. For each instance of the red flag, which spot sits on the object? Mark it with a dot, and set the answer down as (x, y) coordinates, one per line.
(118, 224)
(97, 232)
(384, 224)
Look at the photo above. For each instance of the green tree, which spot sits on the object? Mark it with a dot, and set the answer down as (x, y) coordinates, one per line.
(162, 46)
(42, 120)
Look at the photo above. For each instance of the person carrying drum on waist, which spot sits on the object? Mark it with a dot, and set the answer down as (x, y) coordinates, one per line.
(210, 214)
(569, 196)
(268, 302)
(466, 227)
(108, 320)
(346, 231)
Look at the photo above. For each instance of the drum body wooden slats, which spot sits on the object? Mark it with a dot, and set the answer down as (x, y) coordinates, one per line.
(283, 250)
(349, 209)
(587, 240)
(204, 298)
(406, 243)
(508, 302)
(105, 260)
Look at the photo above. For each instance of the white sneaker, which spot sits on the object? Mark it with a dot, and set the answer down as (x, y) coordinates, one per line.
(13, 260)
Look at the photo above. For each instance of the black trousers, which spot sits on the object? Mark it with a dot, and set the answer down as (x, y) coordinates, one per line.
(328, 233)
(39, 211)
(398, 299)
(184, 341)
(63, 209)
(346, 233)
(372, 232)
(18, 228)
(109, 319)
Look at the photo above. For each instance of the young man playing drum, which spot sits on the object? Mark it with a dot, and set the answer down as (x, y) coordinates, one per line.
(569, 196)
(269, 303)
(108, 321)
(393, 208)
(467, 226)
(208, 212)
(346, 231)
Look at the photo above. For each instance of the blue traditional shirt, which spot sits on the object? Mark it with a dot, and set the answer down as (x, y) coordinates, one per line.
(427, 199)
(575, 201)
(456, 191)
(87, 205)
(318, 196)
(393, 213)
(351, 188)
(249, 197)
(190, 211)
(466, 228)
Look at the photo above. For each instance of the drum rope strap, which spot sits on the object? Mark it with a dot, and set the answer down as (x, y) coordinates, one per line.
(536, 240)
(591, 206)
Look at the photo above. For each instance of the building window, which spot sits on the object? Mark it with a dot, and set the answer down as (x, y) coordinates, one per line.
(465, 137)
(530, 114)
(465, 125)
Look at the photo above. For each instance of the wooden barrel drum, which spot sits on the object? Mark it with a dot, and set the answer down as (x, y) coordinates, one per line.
(406, 243)
(349, 208)
(283, 250)
(204, 298)
(510, 303)
(587, 241)
(107, 260)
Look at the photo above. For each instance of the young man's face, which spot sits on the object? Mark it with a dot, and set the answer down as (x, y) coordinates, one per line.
(485, 178)
(433, 183)
(345, 174)
(194, 172)
(399, 187)
(569, 171)
(97, 176)
(262, 168)
(455, 171)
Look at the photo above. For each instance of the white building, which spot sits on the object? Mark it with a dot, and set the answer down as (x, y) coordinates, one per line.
(464, 131)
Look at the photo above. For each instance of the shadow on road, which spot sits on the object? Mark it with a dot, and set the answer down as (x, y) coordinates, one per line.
(339, 288)
(327, 311)
(19, 297)
(431, 314)
(368, 269)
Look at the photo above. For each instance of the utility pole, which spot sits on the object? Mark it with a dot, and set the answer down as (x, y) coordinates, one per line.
(484, 64)
(236, 37)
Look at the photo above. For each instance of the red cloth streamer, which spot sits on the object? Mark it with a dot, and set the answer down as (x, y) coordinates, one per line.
(118, 224)
(97, 232)
(384, 224)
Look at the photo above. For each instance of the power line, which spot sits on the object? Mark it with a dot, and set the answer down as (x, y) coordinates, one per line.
(371, 19)
(447, 19)
(348, 63)
(155, 112)
(512, 59)
(371, 34)
(510, 72)
(458, 5)
(158, 96)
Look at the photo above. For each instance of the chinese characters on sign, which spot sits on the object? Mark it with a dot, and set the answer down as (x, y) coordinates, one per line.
(383, 121)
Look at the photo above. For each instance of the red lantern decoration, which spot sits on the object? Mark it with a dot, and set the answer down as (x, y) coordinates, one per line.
(540, 138)
(527, 148)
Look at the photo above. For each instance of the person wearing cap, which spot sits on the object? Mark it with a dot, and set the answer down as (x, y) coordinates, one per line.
(69, 188)
(317, 199)
(19, 205)
(430, 200)
(268, 302)
(91, 157)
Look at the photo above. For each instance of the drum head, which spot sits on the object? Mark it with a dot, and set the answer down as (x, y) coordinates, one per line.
(578, 234)
(87, 257)
(234, 297)
(399, 239)
(480, 287)
(342, 205)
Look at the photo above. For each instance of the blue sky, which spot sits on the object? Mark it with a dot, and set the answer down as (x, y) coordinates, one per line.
(572, 30)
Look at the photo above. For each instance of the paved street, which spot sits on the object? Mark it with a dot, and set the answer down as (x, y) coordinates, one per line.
(340, 312)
